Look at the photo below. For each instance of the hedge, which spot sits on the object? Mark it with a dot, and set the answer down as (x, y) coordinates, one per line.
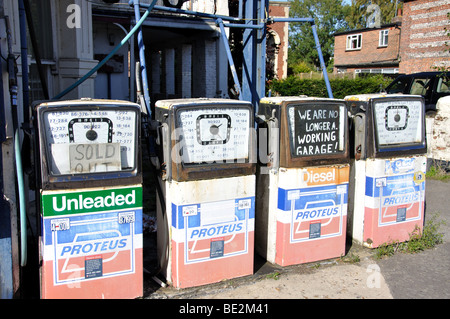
(293, 86)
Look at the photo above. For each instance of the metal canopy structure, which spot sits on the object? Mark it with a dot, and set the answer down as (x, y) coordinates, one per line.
(252, 19)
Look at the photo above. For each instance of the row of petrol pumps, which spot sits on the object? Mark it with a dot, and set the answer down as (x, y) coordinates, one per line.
(290, 182)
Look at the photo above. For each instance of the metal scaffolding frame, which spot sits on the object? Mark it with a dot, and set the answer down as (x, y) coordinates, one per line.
(254, 22)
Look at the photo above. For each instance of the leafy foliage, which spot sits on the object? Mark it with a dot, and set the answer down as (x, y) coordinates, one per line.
(418, 241)
(330, 16)
(294, 86)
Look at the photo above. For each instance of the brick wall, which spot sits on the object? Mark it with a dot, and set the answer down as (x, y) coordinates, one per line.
(280, 9)
(423, 35)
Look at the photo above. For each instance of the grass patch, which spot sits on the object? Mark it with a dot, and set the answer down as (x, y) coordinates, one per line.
(350, 258)
(437, 172)
(275, 275)
(418, 241)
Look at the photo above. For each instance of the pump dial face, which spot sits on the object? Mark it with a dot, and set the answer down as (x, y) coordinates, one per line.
(215, 134)
(396, 117)
(213, 128)
(399, 122)
(89, 140)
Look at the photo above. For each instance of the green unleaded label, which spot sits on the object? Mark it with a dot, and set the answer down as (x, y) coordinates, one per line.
(54, 203)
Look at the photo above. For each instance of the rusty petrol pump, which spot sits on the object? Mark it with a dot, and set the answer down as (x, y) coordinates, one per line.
(388, 165)
(302, 188)
(206, 216)
(90, 188)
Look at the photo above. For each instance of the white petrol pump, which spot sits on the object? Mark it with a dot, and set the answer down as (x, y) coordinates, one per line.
(302, 189)
(206, 219)
(388, 166)
(90, 188)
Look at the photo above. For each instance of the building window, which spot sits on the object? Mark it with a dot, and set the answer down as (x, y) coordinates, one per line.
(384, 36)
(354, 42)
(383, 71)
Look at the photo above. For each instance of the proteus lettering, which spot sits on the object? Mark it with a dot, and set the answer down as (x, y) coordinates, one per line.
(401, 199)
(221, 230)
(94, 247)
(83, 202)
(317, 213)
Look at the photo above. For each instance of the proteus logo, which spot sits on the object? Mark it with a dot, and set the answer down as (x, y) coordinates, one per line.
(54, 204)
(82, 202)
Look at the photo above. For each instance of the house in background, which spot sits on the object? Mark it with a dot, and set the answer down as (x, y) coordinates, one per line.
(415, 42)
(369, 50)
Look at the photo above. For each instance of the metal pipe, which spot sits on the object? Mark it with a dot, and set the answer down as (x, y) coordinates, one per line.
(322, 62)
(141, 47)
(12, 69)
(130, 64)
(37, 54)
(244, 26)
(309, 20)
(188, 12)
(318, 48)
(262, 43)
(12, 76)
(237, 85)
(24, 59)
(241, 9)
(22, 204)
(100, 64)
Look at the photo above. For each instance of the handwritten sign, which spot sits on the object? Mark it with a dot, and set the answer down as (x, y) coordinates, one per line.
(316, 129)
(93, 158)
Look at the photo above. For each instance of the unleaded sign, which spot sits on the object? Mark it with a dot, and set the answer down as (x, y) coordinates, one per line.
(316, 129)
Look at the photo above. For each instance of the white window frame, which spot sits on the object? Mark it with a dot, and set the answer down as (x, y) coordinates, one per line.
(351, 40)
(384, 38)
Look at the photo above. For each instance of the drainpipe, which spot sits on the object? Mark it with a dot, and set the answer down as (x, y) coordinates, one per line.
(37, 54)
(12, 74)
(24, 59)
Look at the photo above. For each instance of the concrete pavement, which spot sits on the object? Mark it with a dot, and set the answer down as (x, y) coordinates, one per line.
(422, 275)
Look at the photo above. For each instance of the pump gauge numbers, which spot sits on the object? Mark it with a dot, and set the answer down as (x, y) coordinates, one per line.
(89, 140)
(399, 122)
(214, 134)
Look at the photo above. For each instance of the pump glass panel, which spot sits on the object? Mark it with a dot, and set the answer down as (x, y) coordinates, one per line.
(80, 141)
(316, 129)
(398, 122)
(214, 134)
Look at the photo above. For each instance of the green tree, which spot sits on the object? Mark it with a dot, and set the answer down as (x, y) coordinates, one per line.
(329, 16)
(360, 12)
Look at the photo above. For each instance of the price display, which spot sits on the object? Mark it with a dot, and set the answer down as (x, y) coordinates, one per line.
(89, 140)
(215, 134)
(398, 122)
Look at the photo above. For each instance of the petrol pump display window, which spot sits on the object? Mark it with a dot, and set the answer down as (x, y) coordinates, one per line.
(83, 140)
(316, 129)
(398, 123)
(214, 134)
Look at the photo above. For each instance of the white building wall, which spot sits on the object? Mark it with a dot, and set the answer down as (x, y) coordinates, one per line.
(438, 131)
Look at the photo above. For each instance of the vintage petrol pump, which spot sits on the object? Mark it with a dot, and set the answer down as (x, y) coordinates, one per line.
(301, 205)
(90, 187)
(389, 166)
(206, 217)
